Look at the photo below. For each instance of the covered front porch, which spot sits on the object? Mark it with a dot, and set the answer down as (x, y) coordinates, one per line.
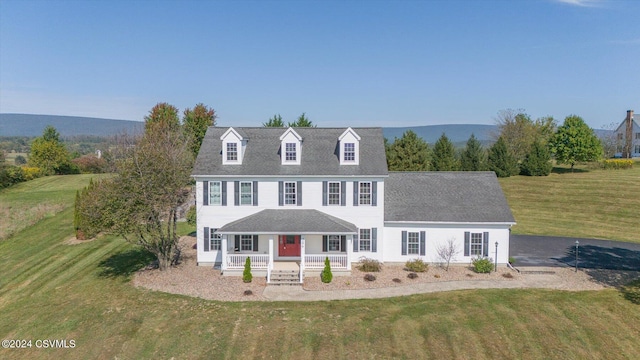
(278, 241)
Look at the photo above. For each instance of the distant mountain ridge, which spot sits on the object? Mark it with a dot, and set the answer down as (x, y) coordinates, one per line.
(33, 125)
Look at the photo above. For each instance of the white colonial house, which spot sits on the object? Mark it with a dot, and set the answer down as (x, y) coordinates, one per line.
(628, 137)
(289, 198)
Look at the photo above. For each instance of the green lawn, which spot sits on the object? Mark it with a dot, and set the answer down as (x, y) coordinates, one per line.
(51, 290)
(602, 204)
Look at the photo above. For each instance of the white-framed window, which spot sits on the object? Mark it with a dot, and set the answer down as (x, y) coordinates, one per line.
(246, 242)
(620, 136)
(638, 136)
(365, 240)
(290, 193)
(349, 152)
(364, 193)
(232, 151)
(334, 193)
(334, 243)
(215, 240)
(215, 193)
(637, 149)
(246, 193)
(413, 243)
(290, 152)
(476, 244)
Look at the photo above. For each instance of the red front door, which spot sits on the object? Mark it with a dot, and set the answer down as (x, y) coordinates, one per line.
(289, 245)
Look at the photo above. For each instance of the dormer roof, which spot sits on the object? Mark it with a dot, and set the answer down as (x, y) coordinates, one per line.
(349, 131)
(237, 133)
(290, 131)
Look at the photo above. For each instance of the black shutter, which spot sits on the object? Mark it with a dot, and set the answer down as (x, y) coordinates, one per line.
(280, 193)
(355, 193)
(236, 193)
(343, 193)
(224, 193)
(299, 193)
(374, 239)
(423, 245)
(374, 193)
(404, 243)
(205, 195)
(325, 240)
(206, 239)
(356, 243)
(485, 243)
(255, 243)
(467, 241)
(237, 243)
(324, 193)
(343, 243)
(255, 193)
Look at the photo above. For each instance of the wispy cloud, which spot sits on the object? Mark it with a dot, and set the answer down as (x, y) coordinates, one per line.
(583, 3)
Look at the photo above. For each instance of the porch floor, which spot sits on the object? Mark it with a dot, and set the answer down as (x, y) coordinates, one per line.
(286, 265)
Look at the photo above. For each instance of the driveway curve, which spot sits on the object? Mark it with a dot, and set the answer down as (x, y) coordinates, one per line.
(533, 250)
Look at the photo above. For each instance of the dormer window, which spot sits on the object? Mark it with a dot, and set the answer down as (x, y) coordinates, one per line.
(349, 152)
(232, 151)
(290, 152)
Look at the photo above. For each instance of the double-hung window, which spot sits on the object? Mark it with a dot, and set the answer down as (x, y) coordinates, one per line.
(334, 242)
(215, 193)
(246, 193)
(246, 242)
(365, 240)
(364, 193)
(334, 193)
(349, 152)
(476, 244)
(413, 243)
(290, 152)
(215, 240)
(637, 149)
(290, 193)
(638, 136)
(232, 151)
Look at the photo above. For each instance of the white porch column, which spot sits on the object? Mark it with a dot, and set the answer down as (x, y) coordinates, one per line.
(223, 265)
(302, 255)
(270, 264)
(349, 250)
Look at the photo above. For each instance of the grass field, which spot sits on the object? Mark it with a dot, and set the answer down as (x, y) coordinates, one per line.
(51, 290)
(601, 204)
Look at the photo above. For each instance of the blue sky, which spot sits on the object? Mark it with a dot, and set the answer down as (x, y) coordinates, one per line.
(357, 63)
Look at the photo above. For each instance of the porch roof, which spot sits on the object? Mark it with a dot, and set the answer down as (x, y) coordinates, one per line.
(289, 221)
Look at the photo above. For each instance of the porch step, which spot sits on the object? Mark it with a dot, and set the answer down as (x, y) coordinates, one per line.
(285, 277)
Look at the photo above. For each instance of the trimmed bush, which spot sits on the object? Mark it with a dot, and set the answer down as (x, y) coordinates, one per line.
(370, 277)
(482, 265)
(416, 265)
(246, 274)
(326, 276)
(369, 265)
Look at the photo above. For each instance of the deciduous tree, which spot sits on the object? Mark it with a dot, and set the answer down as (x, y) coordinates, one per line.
(408, 153)
(501, 161)
(162, 115)
(443, 157)
(49, 154)
(575, 142)
(519, 131)
(473, 157)
(195, 123)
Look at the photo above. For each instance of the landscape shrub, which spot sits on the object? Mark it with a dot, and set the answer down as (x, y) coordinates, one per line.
(370, 277)
(631, 291)
(412, 275)
(10, 175)
(326, 276)
(617, 164)
(482, 265)
(369, 265)
(31, 172)
(90, 164)
(246, 274)
(416, 265)
(512, 260)
(20, 160)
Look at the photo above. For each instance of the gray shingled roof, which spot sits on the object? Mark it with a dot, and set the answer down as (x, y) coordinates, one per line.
(445, 197)
(289, 221)
(319, 153)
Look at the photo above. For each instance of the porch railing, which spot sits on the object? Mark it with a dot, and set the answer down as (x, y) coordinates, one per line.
(258, 261)
(316, 261)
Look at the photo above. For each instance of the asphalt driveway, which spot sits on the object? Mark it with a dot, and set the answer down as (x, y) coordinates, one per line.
(530, 250)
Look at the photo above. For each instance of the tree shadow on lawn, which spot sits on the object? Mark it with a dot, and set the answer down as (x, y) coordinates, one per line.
(124, 264)
(564, 170)
(617, 267)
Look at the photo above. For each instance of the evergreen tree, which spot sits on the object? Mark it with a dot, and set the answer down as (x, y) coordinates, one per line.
(473, 157)
(537, 161)
(575, 142)
(408, 153)
(444, 155)
(326, 276)
(275, 121)
(501, 161)
(303, 121)
(246, 274)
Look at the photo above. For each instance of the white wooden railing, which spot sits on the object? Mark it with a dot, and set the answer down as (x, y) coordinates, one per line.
(258, 261)
(316, 261)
